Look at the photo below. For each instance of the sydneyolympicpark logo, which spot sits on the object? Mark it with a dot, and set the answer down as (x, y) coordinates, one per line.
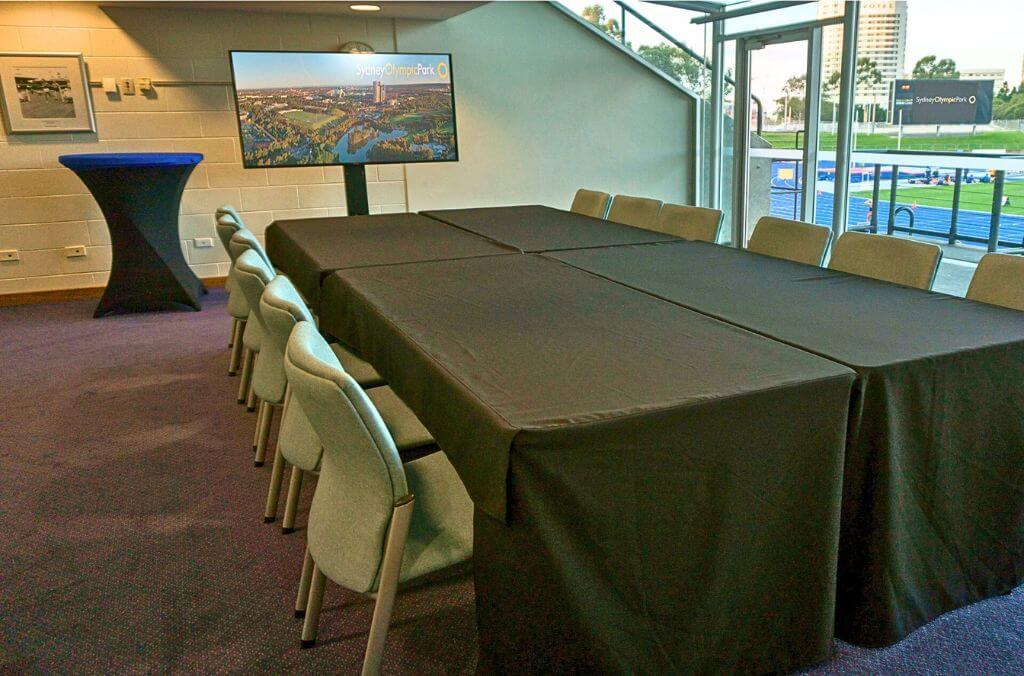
(398, 70)
(947, 100)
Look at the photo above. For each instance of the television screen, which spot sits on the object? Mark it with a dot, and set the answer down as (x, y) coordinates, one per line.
(319, 108)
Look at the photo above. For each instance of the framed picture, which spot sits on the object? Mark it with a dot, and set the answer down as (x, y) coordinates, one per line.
(45, 92)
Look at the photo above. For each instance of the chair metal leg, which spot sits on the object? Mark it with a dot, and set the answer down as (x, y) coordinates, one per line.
(316, 599)
(256, 430)
(243, 382)
(277, 473)
(263, 434)
(234, 333)
(291, 504)
(236, 348)
(250, 399)
(303, 596)
(389, 574)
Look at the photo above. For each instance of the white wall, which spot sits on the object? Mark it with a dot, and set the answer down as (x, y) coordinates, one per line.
(44, 207)
(543, 108)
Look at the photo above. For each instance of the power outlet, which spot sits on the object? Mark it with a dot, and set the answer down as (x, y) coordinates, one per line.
(126, 86)
(74, 251)
(10, 255)
(203, 242)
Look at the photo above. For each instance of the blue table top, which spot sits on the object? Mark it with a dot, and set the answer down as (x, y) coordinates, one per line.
(120, 160)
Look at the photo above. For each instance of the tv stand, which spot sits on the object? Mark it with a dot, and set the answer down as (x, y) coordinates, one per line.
(355, 190)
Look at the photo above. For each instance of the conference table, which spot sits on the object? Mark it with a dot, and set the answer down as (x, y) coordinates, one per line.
(655, 490)
(308, 249)
(684, 456)
(933, 494)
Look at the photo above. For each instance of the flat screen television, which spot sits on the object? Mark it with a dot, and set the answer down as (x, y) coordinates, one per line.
(328, 108)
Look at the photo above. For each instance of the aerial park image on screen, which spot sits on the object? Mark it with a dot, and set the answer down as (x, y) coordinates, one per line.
(305, 108)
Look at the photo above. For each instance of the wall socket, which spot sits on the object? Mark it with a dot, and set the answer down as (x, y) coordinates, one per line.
(74, 251)
(203, 242)
(126, 86)
(9, 255)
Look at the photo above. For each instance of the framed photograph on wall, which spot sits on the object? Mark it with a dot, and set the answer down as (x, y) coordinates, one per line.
(45, 92)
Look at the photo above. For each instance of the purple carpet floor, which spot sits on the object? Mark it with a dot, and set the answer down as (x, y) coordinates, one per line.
(134, 538)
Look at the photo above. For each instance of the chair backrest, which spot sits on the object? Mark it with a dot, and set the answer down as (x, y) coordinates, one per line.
(999, 280)
(590, 203)
(693, 223)
(228, 210)
(639, 212)
(243, 240)
(890, 259)
(226, 227)
(251, 276)
(361, 476)
(792, 240)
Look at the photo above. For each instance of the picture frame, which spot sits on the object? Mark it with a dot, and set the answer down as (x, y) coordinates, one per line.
(45, 92)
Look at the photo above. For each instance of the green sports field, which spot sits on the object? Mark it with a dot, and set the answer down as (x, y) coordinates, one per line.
(1011, 141)
(306, 119)
(974, 196)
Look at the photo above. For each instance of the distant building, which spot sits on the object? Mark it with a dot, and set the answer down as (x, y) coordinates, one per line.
(997, 74)
(881, 37)
(379, 94)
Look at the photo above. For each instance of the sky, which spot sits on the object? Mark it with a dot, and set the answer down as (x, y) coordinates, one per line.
(260, 70)
(978, 34)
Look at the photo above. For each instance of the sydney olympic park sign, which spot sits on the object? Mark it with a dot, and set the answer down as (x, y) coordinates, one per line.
(942, 101)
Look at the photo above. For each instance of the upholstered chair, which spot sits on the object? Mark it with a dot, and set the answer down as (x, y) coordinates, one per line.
(374, 521)
(791, 240)
(640, 212)
(590, 203)
(228, 210)
(241, 241)
(693, 223)
(281, 308)
(999, 280)
(238, 307)
(890, 259)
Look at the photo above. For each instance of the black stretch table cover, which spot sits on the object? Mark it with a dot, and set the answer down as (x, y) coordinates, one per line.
(139, 195)
(308, 249)
(656, 490)
(535, 228)
(933, 497)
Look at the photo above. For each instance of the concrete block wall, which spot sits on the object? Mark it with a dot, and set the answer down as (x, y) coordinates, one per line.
(44, 207)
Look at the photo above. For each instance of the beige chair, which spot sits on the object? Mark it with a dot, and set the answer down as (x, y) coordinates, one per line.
(999, 280)
(375, 520)
(590, 203)
(639, 212)
(890, 259)
(693, 223)
(791, 240)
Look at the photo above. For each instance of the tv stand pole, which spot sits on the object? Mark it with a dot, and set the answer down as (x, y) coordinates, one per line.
(355, 190)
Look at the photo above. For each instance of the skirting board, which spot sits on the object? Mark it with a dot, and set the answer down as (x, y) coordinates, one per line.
(61, 295)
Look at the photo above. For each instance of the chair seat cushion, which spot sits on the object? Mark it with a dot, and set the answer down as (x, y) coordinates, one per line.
(406, 429)
(357, 367)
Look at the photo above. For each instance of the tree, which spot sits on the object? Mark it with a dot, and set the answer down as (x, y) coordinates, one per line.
(792, 104)
(1004, 92)
(677, 64)
(868, 76)
(595, 15)
(932, 68)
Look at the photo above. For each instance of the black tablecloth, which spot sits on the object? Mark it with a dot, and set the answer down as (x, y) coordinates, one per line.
(933, 497)
(308, 249)
(535, 228)
(656, 490)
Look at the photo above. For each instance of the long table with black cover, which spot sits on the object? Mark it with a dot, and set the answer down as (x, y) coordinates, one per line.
(534, 228)
(655, 490)
(933, 496)
(308, 249)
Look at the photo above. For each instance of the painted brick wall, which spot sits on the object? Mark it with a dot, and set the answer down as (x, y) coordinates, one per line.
(44, 207)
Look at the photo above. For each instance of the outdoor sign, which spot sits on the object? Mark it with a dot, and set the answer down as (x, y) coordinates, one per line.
(942, 101)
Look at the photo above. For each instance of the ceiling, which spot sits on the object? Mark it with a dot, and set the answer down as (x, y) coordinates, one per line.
(424, 9)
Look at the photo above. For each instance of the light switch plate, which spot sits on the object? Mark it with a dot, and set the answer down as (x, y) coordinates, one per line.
(204, 242)
(10, 255)
(110, 85)
(126, 86)
(74, 251)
